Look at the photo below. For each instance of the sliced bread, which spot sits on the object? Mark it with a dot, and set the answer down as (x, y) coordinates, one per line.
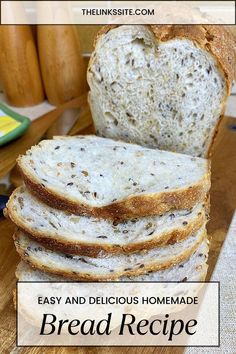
(60, 230)
(193, 268)
(109, 267)
(110, 179)
(162, 86)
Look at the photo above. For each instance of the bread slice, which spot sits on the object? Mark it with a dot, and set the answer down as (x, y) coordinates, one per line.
(60, 230)
(193, 268)
(162, 86)
(109, 267)
(110, 179)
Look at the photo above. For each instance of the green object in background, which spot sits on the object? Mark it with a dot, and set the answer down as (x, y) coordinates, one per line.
(12, 124)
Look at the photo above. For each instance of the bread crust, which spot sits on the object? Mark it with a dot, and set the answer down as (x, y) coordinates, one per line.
(202, 275)
(92, 249)
(131, 207)
(215, 39)
(112, 276)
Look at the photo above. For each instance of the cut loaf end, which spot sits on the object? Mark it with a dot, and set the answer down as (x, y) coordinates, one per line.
(163, 87)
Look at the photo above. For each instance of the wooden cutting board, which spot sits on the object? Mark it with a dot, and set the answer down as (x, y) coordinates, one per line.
(223, 205)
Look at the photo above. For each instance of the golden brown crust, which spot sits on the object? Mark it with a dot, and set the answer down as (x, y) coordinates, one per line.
(131, 207)
(215, 39)
(103, 31)
(202, 278)
(113, 276)
(217, 128)
(97, 250)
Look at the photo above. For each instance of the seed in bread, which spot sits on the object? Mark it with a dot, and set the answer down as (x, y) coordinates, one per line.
(108, 267)
(194, 269)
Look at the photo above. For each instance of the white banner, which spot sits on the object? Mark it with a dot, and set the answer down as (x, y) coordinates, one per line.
(118, 12)
(118, 314)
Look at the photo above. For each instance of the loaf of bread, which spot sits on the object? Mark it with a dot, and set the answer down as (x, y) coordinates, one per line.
(111, 179)
(162, 86)
(89, 236)
(110, 266)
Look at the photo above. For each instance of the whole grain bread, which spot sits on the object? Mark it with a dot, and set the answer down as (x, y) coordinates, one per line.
(162, 86)
(89, 236)
(108, 267)
(111, 179)
(194, 268)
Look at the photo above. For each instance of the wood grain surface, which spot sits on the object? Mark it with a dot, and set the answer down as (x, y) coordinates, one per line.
(223, 204)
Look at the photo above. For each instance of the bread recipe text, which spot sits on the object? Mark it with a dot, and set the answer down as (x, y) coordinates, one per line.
(128, 326)
(121, 300)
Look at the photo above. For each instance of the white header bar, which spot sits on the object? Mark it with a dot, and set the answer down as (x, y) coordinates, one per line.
(118, 12)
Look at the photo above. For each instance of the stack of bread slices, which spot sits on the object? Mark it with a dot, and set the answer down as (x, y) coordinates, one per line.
(99, 209)
(95, 209)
